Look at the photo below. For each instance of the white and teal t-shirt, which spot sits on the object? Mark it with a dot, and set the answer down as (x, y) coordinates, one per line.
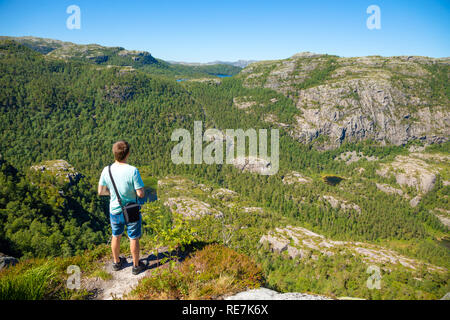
(127, 179)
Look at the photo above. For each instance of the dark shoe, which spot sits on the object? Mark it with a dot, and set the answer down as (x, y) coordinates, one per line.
(119, 265)
(138, 269)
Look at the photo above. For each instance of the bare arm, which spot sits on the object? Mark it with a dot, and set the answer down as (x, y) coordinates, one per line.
(140, 192)
(103, 190)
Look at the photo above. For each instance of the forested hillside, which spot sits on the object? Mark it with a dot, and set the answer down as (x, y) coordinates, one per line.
(393, 195)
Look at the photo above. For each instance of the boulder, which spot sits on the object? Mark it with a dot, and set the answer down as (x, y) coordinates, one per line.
(415, 201)
(7, 261)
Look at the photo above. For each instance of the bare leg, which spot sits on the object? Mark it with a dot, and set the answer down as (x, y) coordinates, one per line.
(115, 247)
(134, 248)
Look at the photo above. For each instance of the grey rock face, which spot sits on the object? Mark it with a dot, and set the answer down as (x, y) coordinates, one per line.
(355, 110)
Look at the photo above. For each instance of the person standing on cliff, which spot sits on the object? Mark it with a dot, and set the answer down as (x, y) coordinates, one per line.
(129, 184)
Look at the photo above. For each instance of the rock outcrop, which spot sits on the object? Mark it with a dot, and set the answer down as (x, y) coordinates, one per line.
(412, 172)
(59, 168)
(296, 177)
(243, 102)
(341, 204)
(443, 216)
(353, 156)
(267, 294)
(389, 189)
(190, 207)
(252, 164)
(224, 194)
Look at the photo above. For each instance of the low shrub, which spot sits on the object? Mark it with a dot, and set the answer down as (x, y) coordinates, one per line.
(210, 273)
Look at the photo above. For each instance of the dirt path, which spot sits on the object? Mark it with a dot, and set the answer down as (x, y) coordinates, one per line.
(122, 281)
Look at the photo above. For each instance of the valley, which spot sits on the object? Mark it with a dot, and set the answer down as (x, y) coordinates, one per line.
(363, 177)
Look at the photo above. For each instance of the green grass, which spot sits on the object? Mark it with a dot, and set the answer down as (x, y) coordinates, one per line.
(32, 284)
(37, 279)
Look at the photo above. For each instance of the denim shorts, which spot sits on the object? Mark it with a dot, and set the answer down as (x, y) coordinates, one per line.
(118, 226)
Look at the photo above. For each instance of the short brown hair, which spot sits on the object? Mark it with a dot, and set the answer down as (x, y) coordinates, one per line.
(121, 149)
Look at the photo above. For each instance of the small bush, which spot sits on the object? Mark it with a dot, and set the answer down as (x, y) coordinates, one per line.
(210, 273)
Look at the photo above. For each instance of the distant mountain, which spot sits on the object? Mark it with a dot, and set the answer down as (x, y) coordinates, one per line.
(118, 56)
(93, 53)
(42, 45)
(239, 63)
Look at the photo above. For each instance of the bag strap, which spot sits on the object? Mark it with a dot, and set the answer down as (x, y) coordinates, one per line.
(115, 188)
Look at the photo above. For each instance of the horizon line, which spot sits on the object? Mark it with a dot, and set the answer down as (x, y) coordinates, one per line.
(169, 60)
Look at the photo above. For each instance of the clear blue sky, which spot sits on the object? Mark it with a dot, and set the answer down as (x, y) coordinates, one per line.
(201, 31)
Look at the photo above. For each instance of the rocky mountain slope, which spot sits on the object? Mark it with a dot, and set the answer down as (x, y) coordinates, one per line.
(388, 99)
(238, 63)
